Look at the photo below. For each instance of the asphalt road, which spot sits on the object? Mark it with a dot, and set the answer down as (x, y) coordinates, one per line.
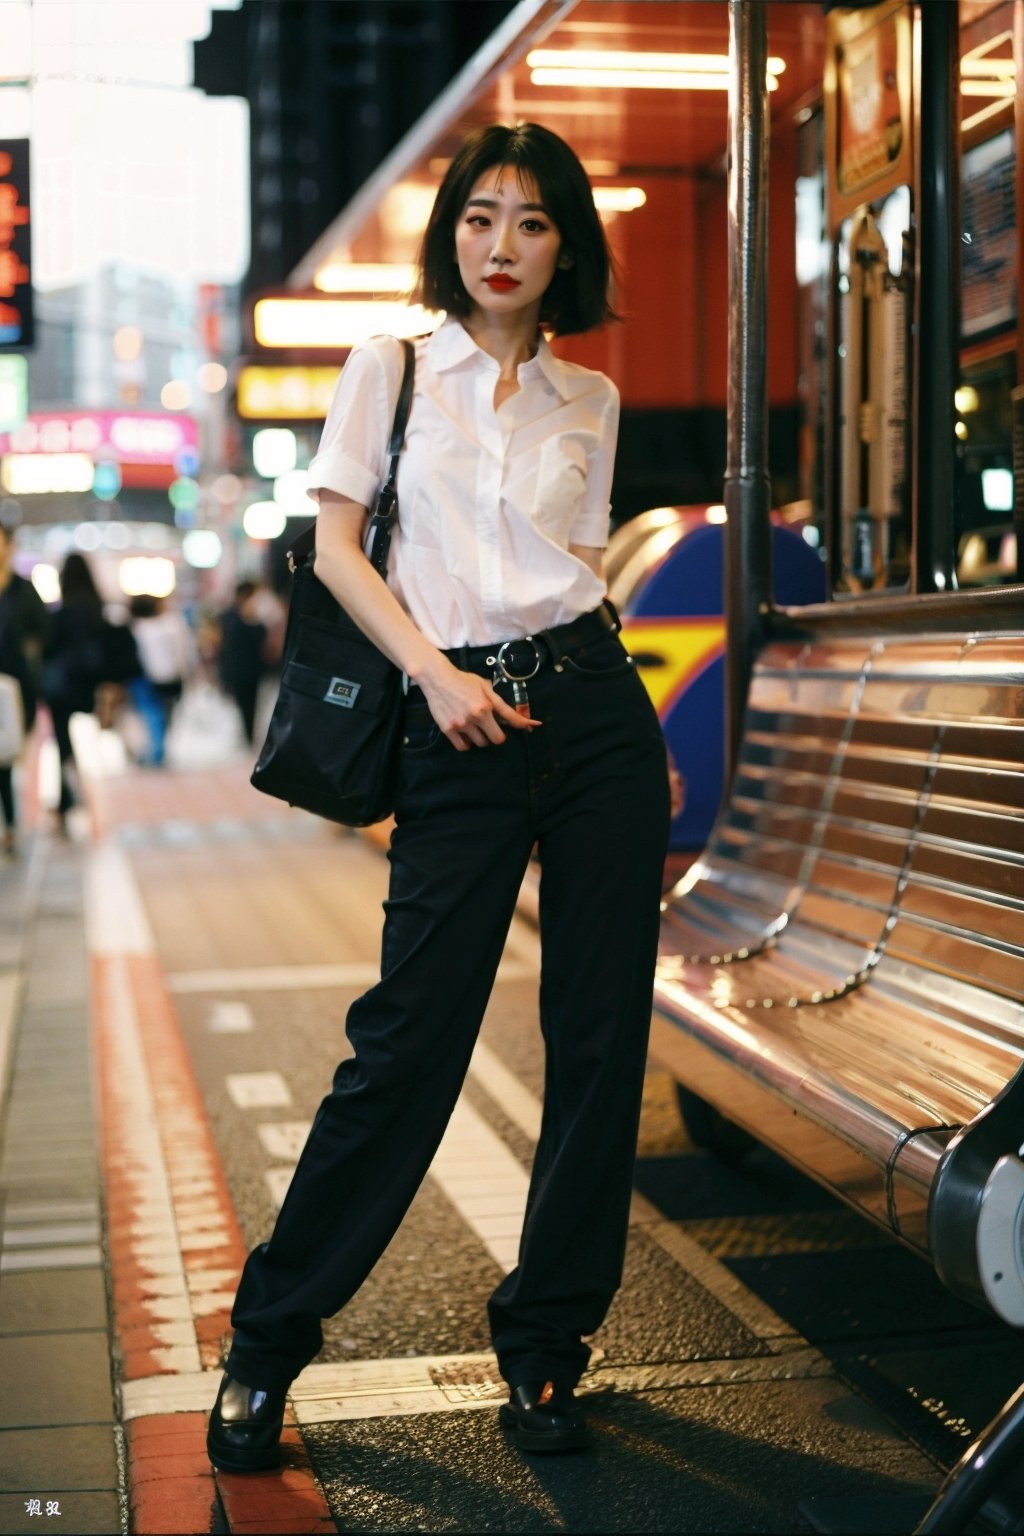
(773, 1363)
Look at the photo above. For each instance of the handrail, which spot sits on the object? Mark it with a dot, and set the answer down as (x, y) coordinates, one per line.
(747, 482)
(938, 320)
(925, 612)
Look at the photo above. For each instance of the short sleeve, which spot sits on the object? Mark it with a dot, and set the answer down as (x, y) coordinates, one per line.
(591, 524)
(351, 458)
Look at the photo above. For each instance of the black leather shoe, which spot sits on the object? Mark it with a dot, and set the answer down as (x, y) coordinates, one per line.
(245, 1428)
(542, 1417)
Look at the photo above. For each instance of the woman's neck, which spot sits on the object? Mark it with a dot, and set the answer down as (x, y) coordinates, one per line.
(509, 339)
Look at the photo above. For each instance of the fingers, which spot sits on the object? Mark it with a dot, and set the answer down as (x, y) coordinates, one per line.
(512, 717)
(470, 712)
(483, 733)
(490, 735)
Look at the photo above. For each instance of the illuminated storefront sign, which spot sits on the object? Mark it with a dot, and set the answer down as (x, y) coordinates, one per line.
(13, 392)
(334, 324)
(16, 313)
(40, 474)
(285, 394)
(145, 445)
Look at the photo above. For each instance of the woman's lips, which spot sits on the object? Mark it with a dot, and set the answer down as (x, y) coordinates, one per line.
(501, 283)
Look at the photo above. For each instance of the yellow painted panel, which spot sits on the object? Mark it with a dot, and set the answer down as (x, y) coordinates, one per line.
(670, 653)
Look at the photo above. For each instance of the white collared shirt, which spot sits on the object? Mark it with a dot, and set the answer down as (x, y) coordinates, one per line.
(489, 501)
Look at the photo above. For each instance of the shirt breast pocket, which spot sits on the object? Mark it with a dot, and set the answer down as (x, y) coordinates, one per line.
(561, 482)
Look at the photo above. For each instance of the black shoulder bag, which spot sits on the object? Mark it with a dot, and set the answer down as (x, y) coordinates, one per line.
(334, 737)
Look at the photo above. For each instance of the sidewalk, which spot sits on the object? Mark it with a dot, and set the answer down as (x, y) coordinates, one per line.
(120, 1245)
(60, 1447)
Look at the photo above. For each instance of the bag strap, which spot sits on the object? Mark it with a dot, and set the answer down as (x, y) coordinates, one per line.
(385, 508)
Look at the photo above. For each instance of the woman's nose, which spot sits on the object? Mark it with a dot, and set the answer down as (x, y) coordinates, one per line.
(501, 245)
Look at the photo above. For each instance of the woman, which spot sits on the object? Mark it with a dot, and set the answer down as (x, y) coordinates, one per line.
(23, 626)
(21, 700)
(70, 666)
(82, 651)
(525, 723)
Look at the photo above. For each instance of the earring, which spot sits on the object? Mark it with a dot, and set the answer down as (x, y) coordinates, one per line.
(565, 261)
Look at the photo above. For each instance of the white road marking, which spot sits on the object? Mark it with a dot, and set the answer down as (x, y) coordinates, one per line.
(277, 1181)
(10, 999)
(17, 1212)
(52, 1258)
(284, 1139)
(33, 1236)
(505, 1088)
(305, 978)
(115, 918)
(229, 1018)
(330, 1392)
(472, 1165)
(258, 1090)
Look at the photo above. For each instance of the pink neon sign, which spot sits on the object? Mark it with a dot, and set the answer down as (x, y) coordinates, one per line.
(130, 437)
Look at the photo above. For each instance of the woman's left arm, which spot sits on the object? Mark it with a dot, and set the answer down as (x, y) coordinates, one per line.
(592, 558)
(589, 531)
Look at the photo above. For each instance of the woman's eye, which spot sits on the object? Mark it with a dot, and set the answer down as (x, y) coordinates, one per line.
(534, 226)
(479, 219)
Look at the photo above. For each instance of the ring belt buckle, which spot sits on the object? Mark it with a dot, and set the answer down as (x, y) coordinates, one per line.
(519, 677)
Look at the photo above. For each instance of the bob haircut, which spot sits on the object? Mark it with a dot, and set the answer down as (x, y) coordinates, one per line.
(577, 298)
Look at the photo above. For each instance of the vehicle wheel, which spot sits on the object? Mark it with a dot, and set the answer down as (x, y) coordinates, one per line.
(709, 1130)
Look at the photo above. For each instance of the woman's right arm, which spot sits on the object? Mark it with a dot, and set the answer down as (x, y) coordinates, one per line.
(466, 708)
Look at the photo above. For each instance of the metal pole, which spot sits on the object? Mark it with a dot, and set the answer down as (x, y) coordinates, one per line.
(938, 288)
(747, 486)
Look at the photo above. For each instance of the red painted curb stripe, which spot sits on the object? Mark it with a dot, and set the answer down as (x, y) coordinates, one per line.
(172, 1486)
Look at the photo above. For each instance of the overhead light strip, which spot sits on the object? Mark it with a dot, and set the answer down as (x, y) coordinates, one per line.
(619, 199)
(382, 277)
(637, 79)
(583, 59)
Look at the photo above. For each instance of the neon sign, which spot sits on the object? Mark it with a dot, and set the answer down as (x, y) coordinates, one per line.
(128, 437)
(16, 311)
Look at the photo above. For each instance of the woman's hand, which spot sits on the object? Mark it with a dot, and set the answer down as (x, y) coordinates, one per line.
(466, 708)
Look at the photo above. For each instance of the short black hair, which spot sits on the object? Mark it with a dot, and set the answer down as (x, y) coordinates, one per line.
(577, 298)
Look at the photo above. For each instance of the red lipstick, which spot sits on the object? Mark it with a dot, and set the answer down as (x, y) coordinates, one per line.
(501, 283)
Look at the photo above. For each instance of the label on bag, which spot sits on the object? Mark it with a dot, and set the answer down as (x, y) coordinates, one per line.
(341, 691)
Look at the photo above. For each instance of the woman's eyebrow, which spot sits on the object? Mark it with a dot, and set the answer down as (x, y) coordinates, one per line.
(494, 202)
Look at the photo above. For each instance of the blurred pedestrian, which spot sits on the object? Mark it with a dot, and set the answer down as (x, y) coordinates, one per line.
(24, 624)
(525, 722)
(167, 658)
(242, 656)
(83, 651)
(22, 610)
(18, 713)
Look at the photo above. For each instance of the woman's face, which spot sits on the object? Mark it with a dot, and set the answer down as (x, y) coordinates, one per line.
(506, 243)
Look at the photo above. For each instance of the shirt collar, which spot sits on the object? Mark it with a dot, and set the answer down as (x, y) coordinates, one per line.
(452, 344)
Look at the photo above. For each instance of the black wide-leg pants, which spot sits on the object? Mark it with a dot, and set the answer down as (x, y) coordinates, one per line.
(589, 787)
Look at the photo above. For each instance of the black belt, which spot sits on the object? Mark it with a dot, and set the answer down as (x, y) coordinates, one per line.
(522, 659)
